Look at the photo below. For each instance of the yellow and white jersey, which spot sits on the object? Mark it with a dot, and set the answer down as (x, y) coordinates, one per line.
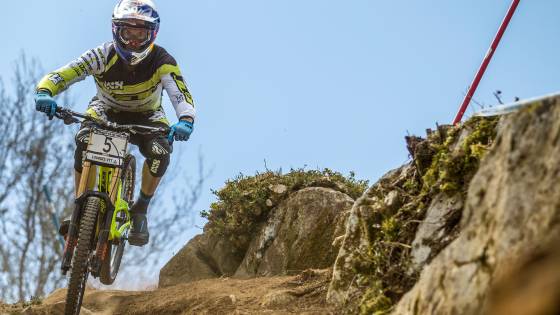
(125, 88)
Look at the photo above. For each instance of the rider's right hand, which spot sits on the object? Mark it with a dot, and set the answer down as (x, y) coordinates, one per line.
(45, 103)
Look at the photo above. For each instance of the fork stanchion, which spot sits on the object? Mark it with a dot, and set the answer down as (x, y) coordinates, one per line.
(114, 185)
(83, 179)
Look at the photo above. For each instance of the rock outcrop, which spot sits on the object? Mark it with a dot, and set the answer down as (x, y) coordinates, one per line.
(512, 210)
(356, 241)
(438, 228)
(530, 287)
(298, 235)
(405, 219)
(205, 256)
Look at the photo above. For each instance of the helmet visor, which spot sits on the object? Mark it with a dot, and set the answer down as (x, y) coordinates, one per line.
(134, 38)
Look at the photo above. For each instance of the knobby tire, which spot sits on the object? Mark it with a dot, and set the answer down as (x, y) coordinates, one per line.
(80, 263)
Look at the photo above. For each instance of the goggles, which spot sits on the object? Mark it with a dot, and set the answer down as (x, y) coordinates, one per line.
(134, 38)
(134, 35)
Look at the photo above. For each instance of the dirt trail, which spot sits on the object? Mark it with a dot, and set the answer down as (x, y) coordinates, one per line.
(301, 294)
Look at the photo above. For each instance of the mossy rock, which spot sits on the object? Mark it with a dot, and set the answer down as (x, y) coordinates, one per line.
(245, 202)
(444, 162)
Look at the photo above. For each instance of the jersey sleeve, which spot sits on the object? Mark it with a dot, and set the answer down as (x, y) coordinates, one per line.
(92, 62)
(176, 88)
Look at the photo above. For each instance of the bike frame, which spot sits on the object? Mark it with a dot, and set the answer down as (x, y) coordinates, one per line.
(109, 191)
(120, 204)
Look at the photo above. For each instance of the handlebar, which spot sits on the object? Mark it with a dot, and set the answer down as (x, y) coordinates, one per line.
(71, 117)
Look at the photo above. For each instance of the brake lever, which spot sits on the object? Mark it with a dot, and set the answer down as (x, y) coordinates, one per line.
(111, 124)
(70, 120)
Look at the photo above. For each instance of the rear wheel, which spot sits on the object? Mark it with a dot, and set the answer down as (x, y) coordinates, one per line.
(110, 266)
(80, 262)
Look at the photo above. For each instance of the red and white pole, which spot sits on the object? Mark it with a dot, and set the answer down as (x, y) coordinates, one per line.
(485, 62)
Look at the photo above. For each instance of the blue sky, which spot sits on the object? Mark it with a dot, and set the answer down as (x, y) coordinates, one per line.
(315, 83)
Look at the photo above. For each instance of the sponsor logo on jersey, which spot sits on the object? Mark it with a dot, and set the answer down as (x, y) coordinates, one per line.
(56, 78)
(82, 67)
(115, 85)
(180, 98)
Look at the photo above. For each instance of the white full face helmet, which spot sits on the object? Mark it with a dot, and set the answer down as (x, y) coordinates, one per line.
(135, 28)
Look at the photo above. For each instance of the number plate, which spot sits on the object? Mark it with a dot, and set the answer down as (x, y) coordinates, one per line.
(106, 147)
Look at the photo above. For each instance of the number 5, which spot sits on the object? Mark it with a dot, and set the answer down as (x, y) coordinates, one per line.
(107, 147)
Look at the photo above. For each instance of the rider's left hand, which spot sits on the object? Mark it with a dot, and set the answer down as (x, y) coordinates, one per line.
(181, 131)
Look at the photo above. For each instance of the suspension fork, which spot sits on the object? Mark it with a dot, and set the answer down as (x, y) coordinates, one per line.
(87, 180)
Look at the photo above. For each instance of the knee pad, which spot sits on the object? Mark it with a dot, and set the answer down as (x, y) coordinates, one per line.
(157, 153)
(158, 166)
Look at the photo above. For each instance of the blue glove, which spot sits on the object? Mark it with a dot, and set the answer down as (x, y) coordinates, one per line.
(45, 103)
(181, 131)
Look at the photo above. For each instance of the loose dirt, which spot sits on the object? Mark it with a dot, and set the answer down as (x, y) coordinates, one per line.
(301, 294)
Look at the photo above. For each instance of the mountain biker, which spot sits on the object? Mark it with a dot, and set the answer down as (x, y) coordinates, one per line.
(130, 73)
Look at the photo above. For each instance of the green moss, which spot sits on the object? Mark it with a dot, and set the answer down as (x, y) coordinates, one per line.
(242, 203)
(374, 302)
(390, 229)
(411, 186)
(452, 169)
(385, 269)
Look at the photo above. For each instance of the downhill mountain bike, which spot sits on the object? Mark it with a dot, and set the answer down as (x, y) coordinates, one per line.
(99, 225)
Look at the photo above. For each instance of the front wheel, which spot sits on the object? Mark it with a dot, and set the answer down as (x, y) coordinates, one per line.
(80, 263)
(112, 262)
